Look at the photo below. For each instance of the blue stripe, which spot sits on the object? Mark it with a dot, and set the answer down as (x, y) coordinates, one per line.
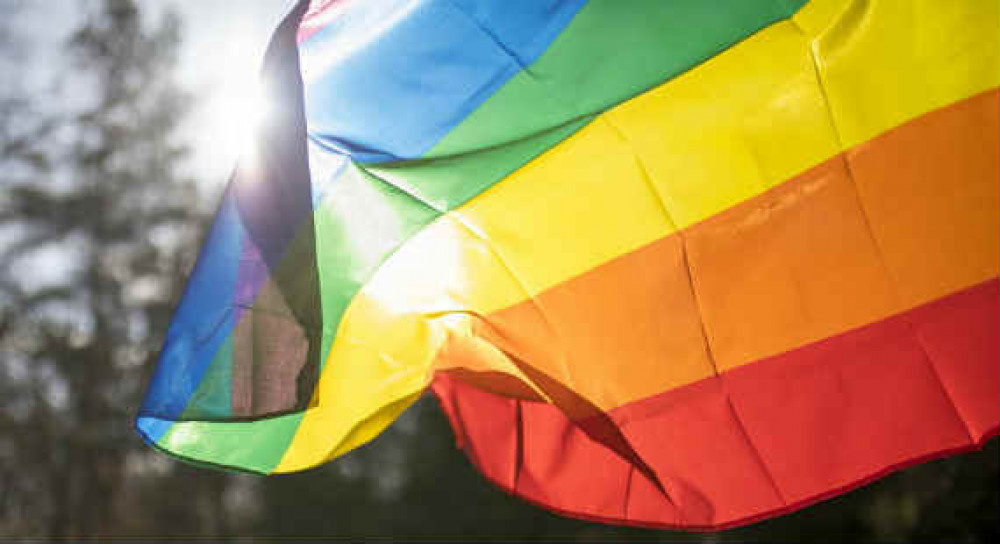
(151, 429)
(202, 321)
(387, 80)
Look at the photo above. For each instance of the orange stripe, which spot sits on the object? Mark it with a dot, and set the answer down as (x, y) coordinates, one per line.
(903, 219)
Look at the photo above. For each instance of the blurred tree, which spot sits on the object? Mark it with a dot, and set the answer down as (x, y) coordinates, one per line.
(98, 228)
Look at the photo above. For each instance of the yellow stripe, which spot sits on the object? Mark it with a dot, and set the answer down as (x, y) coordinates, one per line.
(883, 63)
(730, 129)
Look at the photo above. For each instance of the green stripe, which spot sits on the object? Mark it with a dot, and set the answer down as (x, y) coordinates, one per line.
(254, 446)
(448, 182)
(214, 396)
(359, 224)
(611, 51)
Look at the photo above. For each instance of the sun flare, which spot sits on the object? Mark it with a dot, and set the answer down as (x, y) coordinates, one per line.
(235, 117)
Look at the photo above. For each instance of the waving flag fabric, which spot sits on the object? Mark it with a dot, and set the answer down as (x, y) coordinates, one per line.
(673, 264)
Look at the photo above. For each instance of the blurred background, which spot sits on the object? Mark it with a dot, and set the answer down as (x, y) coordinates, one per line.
(119, 123)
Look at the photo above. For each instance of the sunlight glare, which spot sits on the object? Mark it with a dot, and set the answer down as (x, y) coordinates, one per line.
(235, 116)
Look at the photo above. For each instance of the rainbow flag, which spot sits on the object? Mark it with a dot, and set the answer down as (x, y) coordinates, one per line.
(677, 264)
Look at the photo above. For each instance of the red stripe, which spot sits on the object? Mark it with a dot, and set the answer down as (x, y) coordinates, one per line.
(760, 440)
(316, 18)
